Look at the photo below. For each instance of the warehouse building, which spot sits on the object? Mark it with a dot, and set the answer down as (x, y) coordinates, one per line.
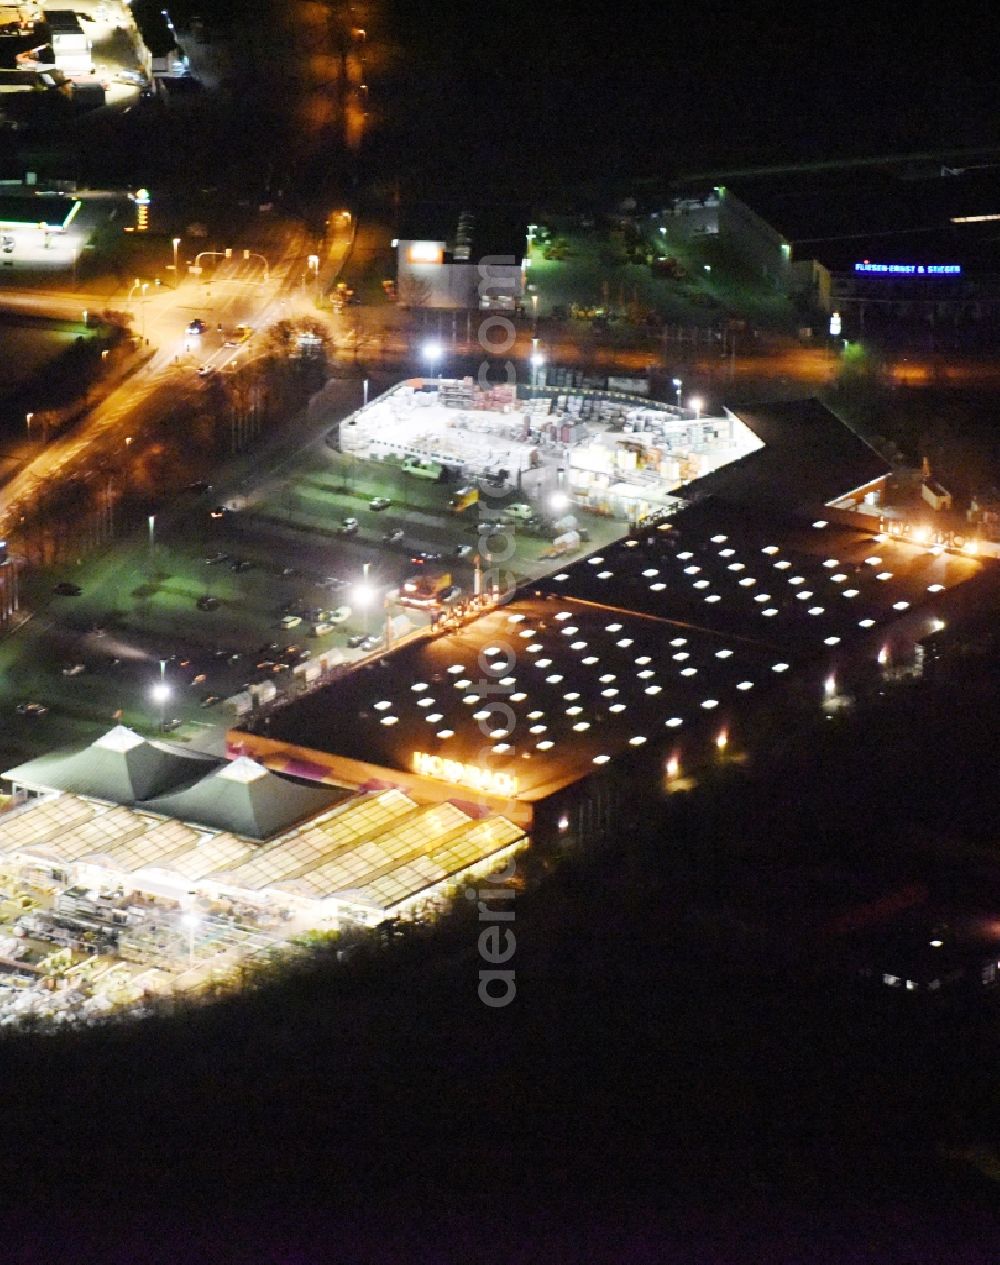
(472, 263)
(591, 681)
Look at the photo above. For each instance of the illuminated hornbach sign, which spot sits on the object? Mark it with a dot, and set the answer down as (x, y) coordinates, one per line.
(488, 781)
(424, 253)
(911, 270)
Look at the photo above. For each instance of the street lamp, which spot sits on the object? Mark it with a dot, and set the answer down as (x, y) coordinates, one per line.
(190, 920)
(176, 242)
(558, 501)
(364, 596)
(160, 693)
(432, 352)
(697, 403)
(537, 360)
(677, 387)
(27, 421)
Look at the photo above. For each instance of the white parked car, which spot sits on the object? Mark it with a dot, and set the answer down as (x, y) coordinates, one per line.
(340, 616)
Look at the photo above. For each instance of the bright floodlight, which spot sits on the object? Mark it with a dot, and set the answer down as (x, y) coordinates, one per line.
(432, 351)
(537, 360)
(364, 595)
(160, 692)
(558, 500)
(696, 403)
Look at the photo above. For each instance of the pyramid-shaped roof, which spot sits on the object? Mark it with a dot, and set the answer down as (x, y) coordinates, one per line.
(121, 766)
(244, 798)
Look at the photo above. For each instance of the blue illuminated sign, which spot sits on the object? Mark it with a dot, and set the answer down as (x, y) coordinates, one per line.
(911, 270)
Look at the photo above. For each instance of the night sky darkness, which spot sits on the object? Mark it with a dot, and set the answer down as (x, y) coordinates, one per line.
(534, 94)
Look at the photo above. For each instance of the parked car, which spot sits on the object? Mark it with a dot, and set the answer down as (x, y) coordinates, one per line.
(74, 669)
(216, 557)
(207, 603)
(356, 640)
(394, 536)
(519, 512)
(65, 589)
(371, 643)
(196, 328)
(291, 621)
(339, 616)
(348, 526)
(451, 594)
(31, 709)
(378, 503)
(209, 700)
(462, 551)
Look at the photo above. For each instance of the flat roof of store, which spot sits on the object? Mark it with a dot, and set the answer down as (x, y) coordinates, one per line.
(674, 629)
(51, 209)
(810, 457)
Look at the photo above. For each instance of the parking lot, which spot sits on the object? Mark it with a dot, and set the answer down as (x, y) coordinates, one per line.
(205, 589)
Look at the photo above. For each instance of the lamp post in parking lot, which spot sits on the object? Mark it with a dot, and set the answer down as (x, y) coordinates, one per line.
(190, 920)
(537, 361)
(432, 353)
(364, 595)
(160, 693)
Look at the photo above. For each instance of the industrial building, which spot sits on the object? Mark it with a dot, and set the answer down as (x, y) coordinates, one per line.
(472, 263)
(773, 568)
(671, 635)
(718, 214)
